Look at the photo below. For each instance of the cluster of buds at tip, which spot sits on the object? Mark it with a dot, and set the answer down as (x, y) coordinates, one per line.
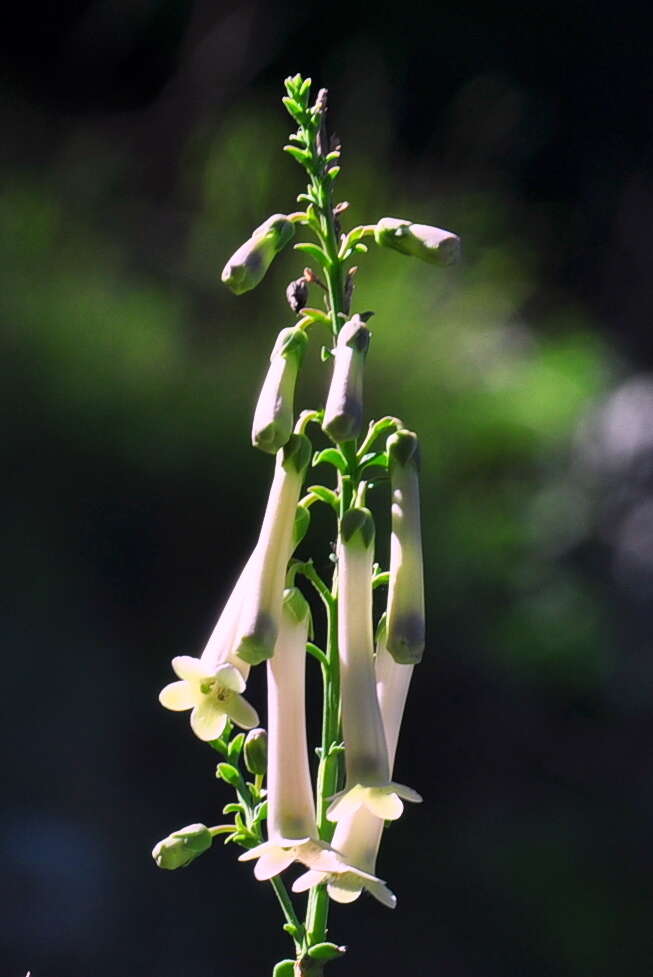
(273, 417)
(292, 831)
(367, 766)
(405, 622)
(248, 265)
(258, 623)
(182, 847)
(431, 244)
(343, 414)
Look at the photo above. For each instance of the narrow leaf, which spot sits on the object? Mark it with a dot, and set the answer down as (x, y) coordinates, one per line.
(332, 457)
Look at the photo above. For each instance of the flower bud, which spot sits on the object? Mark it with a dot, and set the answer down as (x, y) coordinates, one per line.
(297, 294)
(405, 618)
(431, 244)
(248, 265)
(343, 414)
(273, 418)
(255, 751)
(258, 624)
(182, 847)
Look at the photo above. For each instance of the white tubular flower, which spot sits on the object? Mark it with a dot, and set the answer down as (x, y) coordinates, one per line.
(292, 834)
(273, 418)
(343, 414)
(358, 835)
(258, 623)
(248, 265)
(368, 781)
(423, 241)
(214, 695)
(405, 626)
(212, 685)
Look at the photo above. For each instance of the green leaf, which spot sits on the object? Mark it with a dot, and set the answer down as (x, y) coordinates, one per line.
(332, 457)
(235, 747)
(330, 157)
(229, 774)
(325, 494)
(261, 812)
(360, 247)
(314, 251)
(294, 108)
(326, 951)
(332, 172)
(285, 968)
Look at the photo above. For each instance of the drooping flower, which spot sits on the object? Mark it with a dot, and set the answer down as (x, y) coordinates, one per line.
(273, 418)
(423, 241)
(292, 833)
(367, 768)
(405, 626)
(343, 413)
(358, 835)
(248, 265)
(258, 620)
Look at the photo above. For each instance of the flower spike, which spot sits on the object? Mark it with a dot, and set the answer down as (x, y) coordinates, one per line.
(292, 833)
(405, 626)
(248, 265)
(258, 623)
(343, 414)
(273, 418)
(366, 757)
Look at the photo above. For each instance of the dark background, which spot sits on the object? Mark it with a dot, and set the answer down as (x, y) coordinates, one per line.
(140, 145)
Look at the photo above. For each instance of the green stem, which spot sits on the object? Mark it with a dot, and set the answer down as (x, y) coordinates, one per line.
(287, 907)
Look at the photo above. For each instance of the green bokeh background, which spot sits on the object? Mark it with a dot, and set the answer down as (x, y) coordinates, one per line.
(132, 497)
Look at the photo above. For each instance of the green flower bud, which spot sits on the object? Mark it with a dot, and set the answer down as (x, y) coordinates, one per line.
(343, 414)
(273, 418)
(255, 751)
(419, 240)
(405, 627)
(248, 265)
(182, 847)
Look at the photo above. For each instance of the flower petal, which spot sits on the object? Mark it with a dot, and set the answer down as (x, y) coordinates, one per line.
(179, 696)
(383, 804)
(345, 803)
(407, 793)
(208, 719)
(229, 677)
(254, 852)
(273, 862)
(240, 711)
(189, 668)
(344, 890)
(308, 880)
(381, 892)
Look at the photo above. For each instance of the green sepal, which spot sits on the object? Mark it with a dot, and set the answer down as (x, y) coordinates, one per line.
(230, 775)
(285, 968)
(232, 808)
(357, 521)
(295, 604)
(333, 457)
(236, 747)
(313, 250)
(324, 494)
(326, 951)
(326, 354)
(301, 525)
(297, 453)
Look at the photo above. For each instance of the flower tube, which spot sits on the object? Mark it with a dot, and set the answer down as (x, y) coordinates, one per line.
(358, 835)
(258, 623)
(405, 627)
(248, 265)
(273, 418)
(367, 768)
(292, 833)
(343, 414)
(431, 244)
(212, 685)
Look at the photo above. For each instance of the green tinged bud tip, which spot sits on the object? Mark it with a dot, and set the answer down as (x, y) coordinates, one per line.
(248, 265)
(182, 847)
(255, 751)
(297, 453)
(403, 448)
(357, 522)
